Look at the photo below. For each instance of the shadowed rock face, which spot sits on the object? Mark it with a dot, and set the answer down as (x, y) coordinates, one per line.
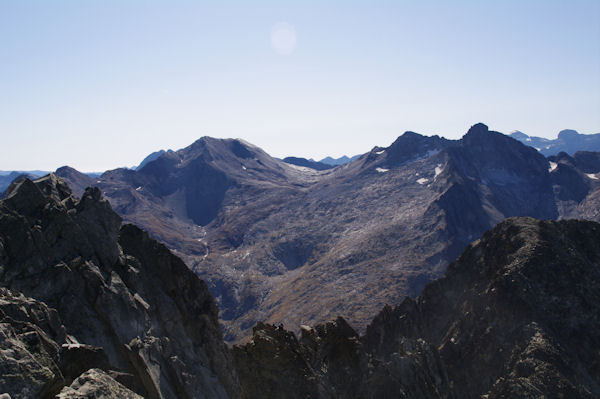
(516, 316)
(519, 310)
(281, 243)
(576, 184)
(98, 295)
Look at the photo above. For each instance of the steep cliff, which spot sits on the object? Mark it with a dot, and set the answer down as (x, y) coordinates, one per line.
(96, 295)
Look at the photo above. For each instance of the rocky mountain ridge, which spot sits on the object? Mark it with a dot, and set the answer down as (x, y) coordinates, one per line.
(84, 300)
(515, 316)
(280, 243)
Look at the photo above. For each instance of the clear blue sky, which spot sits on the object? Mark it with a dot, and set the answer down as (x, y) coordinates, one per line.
(100, 84)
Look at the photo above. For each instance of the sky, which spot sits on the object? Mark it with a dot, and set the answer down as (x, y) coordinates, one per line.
(98, 85)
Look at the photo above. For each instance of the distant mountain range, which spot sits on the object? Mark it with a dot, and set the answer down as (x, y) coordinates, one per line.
(569, 141)
(279, 243)
(338, 161)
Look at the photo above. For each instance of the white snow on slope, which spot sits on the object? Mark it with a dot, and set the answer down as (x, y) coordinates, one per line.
(381, 170)
(438, 170)
(553, 166)
(422, 180)
(380, 152)
(592, 176)
(300, 168)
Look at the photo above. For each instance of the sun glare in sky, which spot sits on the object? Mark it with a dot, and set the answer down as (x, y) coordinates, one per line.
(283, 38)
(100, 84)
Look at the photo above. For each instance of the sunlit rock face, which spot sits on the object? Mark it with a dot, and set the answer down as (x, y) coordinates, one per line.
(88, 305)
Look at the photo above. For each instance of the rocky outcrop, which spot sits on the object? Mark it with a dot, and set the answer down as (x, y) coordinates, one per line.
(30, 338)
(518, 310)
(330, 361)
(6, 178)
(98, 295)
(516, 316)
(96, 384)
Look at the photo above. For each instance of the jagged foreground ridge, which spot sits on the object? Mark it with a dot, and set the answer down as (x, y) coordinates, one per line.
(92, 309)
(516, 316)
(281, 243)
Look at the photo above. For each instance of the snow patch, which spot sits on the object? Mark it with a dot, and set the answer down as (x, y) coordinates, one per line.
(380, 152)
(539, 149)
(528, 139)
(138, 188)
(422, 180)
(553, 166)
(243, 167)
(381, 170)
(591, 176)
(438, 170)
(300, 168)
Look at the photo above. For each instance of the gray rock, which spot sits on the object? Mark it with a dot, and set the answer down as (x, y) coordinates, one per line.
(29, 352)
(516, 316)
(128, 305)
(96, 384)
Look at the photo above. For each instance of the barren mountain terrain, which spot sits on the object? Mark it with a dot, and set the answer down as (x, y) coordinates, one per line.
(287, 244)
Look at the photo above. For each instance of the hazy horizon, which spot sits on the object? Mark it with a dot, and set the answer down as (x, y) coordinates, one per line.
(100, 85)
